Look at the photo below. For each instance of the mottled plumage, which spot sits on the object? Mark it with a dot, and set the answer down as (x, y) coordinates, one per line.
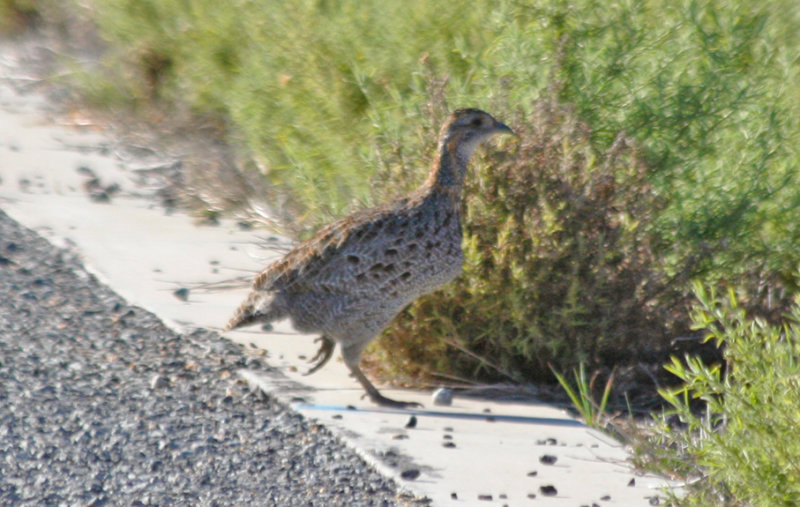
(352, 278)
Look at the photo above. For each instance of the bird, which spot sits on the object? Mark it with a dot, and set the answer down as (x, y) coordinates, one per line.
(349, 281)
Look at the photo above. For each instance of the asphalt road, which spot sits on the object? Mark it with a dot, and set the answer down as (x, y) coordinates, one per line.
(101, 404)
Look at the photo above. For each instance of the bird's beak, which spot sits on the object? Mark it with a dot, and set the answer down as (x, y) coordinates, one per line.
(502, 127)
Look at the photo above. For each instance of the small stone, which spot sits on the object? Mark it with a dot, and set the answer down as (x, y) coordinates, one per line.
(453, 496)
(449, 445)
(399, 436)
(182, 294)
(412, 422)
(654, 500)
(485, 497)
(605, 498)
(266, 327)
(410, 474)
(533, 473)
(336, 416)
(632, 483)
(548, 490)
(448, 429)
(447, 437)
(443, 397)
(531, 495)
(158, 382)
(548, 459)
(86, 171)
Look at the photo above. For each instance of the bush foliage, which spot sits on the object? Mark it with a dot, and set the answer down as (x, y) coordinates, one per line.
(560, 262)
(743, 449)
(659, 144)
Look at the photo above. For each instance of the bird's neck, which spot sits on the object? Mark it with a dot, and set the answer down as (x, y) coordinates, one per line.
(449, 169)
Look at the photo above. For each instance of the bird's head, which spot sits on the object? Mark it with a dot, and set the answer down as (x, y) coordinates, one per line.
(466, 129)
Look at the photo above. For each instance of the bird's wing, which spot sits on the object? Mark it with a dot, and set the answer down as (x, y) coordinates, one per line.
(338, 250)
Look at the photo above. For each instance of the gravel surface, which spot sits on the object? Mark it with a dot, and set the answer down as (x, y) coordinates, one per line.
(101, 404)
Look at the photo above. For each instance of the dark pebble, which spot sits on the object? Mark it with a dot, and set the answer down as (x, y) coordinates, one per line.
(412, 422)
(410, 474)
(547, 459)
(548, 490)
(182, 294)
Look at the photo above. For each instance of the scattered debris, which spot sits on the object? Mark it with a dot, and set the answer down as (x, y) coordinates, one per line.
(547, 459)
(548, 490)
(443, 397)
(182, 294)
(410, 474)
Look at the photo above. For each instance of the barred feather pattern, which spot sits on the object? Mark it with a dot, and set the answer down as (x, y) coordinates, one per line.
(354, 276)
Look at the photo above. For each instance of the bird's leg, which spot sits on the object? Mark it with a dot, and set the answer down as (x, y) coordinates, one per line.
(376, 396)
(323, 354)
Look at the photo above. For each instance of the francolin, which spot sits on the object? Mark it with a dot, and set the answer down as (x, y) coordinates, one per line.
(354, 276)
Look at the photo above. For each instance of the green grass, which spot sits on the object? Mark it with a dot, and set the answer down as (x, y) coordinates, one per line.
(307, 86)
(581, 394)
(741, 449)
(337, 104)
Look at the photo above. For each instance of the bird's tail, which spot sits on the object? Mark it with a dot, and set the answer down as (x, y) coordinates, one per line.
(258, 307)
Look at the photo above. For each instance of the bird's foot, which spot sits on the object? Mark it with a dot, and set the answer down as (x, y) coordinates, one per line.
(383, 401)
(323, 354)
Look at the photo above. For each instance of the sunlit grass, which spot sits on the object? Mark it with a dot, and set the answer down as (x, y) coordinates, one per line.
(741, 448)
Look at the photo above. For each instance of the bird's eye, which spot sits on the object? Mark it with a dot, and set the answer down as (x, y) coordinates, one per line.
(476, 122)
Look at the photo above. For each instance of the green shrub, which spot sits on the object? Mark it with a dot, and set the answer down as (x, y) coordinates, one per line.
(698, 88)
(743, 449)
(560, 266)
(337, 103)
